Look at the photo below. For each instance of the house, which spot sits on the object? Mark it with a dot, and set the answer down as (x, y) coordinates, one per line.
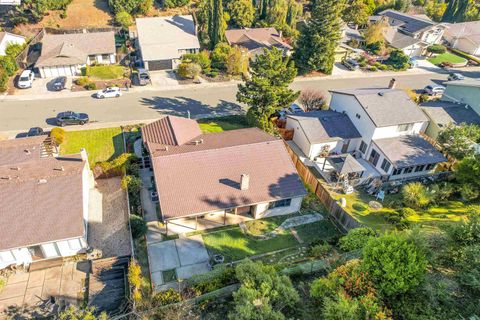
(164, 40)
(67, 54)
(7, 38)
(257, 39)
(386, 141)
(464, 36)
(444, 113)
(464, 92)
(44, 202)
(409, 33)
(239, 172)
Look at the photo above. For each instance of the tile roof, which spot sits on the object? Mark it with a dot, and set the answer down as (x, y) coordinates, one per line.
(41, 199)
(74, 48)
(162, 37)
(254, 38)
(444, 113)
(409, 150)
(386, 107)
(325, 126)
(407, 23)
(206, 175)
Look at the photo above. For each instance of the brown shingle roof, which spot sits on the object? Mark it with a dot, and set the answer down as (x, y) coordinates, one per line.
(195, 178)
(256, 37)
(170, 131)
(19, 150)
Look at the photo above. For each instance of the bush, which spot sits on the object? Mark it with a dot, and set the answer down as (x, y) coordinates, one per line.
(90, 86)
(372, 68)
(415, 195)
(437, 48)
(138, 225)
(82, 81)
(356, 238)
(443, 191)
(120, 165)
(202, 58)
(398, 60)
(166, 297)
(218, 278)
(219, 56)
(383, 67)
(469, 192)
(359, 206)
(320, 250)
(423, 98)
(175, 3)
(407, 212)
(8, 64)
(133, 183)
(393, 217)
(57, 135)
(189, 70)
(123, 19)
(3, 80)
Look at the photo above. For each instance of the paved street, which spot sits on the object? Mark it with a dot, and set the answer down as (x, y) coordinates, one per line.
(201, 102)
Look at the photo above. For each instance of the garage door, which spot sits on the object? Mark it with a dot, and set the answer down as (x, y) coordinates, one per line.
(160, 65)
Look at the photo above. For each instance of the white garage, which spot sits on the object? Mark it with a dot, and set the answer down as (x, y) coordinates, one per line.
(55, 71)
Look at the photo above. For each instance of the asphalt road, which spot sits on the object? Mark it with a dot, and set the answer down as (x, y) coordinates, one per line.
(201, 102)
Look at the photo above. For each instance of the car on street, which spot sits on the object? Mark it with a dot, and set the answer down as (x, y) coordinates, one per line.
(143, 77)
(111, 92)
(351, 64)
(35, 131)
(58, 84)
(25, 80)
(455, 76)
(71, 118)
(434, 90)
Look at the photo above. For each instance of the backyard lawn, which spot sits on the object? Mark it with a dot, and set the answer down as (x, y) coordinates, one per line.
(101, 144)
(222, 123)
(446, 57)
(320, 230)
(105, 72)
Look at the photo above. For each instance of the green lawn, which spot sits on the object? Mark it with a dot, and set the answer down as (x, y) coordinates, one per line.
(101, 144)
(105, 72)
(234, 245)
(223, 123)
(446, 57)
(320, 230)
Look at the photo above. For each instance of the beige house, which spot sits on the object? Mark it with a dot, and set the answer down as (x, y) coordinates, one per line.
(44, 202)
(464, 36)
(198, 176)
(255, 40)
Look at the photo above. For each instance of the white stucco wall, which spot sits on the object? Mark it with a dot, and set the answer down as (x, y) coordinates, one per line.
(15, 256)
(391, 131)
(99, 59)
(299, 136)
(10, 38)
(261, 210)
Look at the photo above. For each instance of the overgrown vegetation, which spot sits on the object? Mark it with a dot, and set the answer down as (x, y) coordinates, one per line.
(32, 11)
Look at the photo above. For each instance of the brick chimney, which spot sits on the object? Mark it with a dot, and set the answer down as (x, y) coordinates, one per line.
(244, 181)
(392, 83)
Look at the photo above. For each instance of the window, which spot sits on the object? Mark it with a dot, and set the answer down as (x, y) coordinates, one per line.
(419, 168)
(408, 170)
(374, 156)
(92, 58)
(74, 244)
(385, 165)
(363, 147)
(280, 203)
(430, 166)
(106, 57)
(396, 172)
(405, 127)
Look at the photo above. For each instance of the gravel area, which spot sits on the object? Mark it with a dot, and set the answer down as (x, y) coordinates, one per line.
(108, 219)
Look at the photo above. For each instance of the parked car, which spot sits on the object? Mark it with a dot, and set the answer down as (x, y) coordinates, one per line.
(26, 79)
(434, 90)
(70, 117)
(112, 92)
(351, 64)
(143, 77)
(58, 84)
(455, 76)
(35, 131)
(413, 63)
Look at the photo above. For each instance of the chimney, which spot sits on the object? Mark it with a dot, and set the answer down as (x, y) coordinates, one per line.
(244, 181)
(83, 154)
(392, 83)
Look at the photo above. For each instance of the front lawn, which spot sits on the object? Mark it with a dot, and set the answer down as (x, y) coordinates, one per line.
(222, 123)
(446, 57)
(101, 144)
(105, 72)
(234, 245)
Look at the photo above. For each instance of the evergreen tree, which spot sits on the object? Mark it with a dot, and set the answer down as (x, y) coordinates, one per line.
(242, 12)
(216, 23)
(356, 12)
(318, 40)
(461, 11)
(268, 89)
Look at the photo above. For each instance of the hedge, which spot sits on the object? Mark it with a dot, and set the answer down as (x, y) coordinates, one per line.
(464, 55)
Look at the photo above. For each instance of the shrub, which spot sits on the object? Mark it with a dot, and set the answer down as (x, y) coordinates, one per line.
(3, 80)
(415, 195)
(119, 165)
(90, 86)
(124, 19)
(443, 191)
(133, 183)
(138, 225)
(320, 250)
(8, 64)
(175, 3)
(356, 238)
(372, 68)
(220, 277)
(423, 98)
(189, 70)
(237, 61)
(57, 135)
(219, 56)
(469, 192)
(167, 297)
(135, 279)
(407, 212)
(359, 206)
(383, 67)
(82, 81)
(437, 48)
(398, 60)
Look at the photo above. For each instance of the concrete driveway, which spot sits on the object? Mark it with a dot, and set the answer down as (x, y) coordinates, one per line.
(42, 86)
(162, 79)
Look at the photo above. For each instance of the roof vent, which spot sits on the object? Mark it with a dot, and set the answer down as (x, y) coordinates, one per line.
(244, 181)
(7, 178)
(26, 151)
(380, 94)
(15, 168)
(201, 140)
(42, 181)
(60, 169)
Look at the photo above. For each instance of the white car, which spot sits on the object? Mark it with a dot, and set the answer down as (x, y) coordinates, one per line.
(26, 79)
(112, 92)
(434, 90)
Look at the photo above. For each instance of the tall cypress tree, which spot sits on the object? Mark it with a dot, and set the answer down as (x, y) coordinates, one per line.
(318, 40)
(450, 11)
(216, 23)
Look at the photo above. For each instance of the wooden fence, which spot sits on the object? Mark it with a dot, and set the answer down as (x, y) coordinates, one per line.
(341, 217)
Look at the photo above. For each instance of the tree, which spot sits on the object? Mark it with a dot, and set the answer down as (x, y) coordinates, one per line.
(319, 38)
(242, 13)
(202, 58)
(124, 19)
(216, 23)
(459, 140)
(356, 12)
(461, 11)
(189, 70)
(415, 195)
(340, 308)
(356, 238)
(268, 89)
(263, 293)
(401, 5)
(374, 33)
(131, 6)
(312, 99)
(394, 264)
(398, 60)
(175, 3)
(237, 61)
(220, 56)
(468, 171)
(435, 9)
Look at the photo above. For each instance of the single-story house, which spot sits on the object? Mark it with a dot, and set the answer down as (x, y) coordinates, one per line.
(7, 38)
(464, 36)
(44, 202)
(464, 92)
(243, 172)
(444, 113)
(164, 40)
(66, 54)
(257, 39)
